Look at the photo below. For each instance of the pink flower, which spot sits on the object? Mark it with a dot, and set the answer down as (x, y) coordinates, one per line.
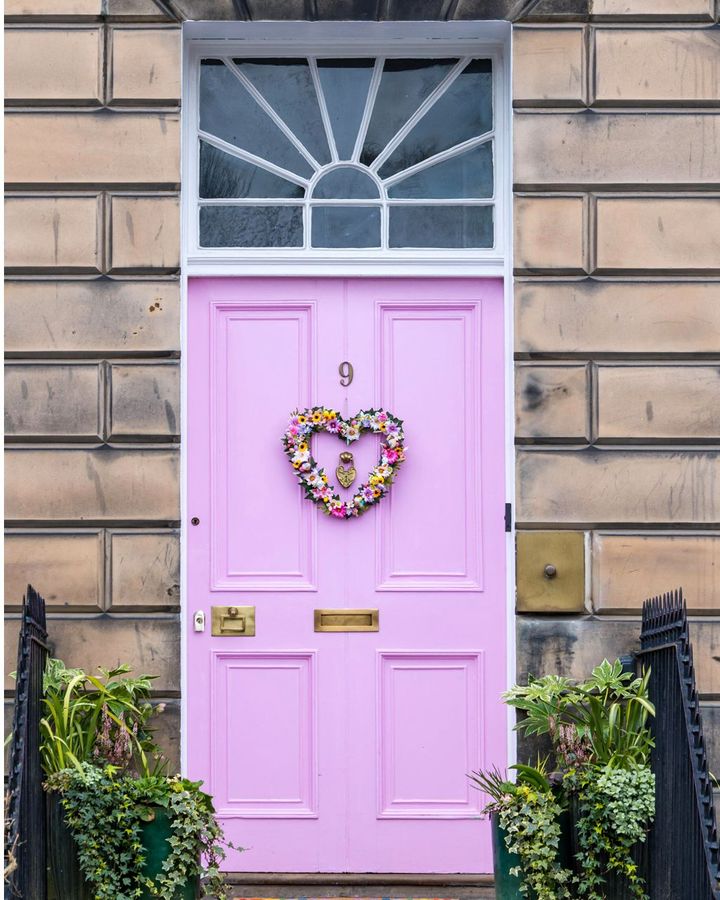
(390, 456)
(338, 511)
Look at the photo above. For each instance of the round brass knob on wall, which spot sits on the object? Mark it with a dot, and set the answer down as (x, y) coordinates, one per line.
(550, 571)
(233, 611)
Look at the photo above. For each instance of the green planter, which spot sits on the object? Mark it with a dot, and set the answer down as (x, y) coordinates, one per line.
(155, 836)
(507, 886)
(67, 880)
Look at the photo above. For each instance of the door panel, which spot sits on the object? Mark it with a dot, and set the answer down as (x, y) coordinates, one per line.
(348, 751)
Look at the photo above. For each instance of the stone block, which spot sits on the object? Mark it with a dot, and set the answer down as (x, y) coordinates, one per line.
(278, 9)
(579, 150)
(145, 401)
(147, 10)
(594, 317)
(104, 147)
(206, 9)
(144, 570)
(61, 234)
(604, 487)
(60, 401)
(550, 234)
(166, 727)
(103, 484)
(53, 65)
(54, 8)
(711, 729)
(678, 403)
(561, 10)
(574, 646)
(119, 318)
(145, 65)
(657, 66)
(559, 591)
(675, 234)
(658, 10)
(65, 567)
(150, 645)
(629, 568)
(548, 66)
(552, 402)
(144, 233)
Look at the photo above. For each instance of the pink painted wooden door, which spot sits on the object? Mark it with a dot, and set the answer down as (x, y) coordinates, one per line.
(332, 752)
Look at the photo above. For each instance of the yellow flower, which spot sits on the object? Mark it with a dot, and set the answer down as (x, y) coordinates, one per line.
(302, 419)
(317, 418)
(296, 465)
(302, 447)
(376, 493)
(330, 414)
(376, 479)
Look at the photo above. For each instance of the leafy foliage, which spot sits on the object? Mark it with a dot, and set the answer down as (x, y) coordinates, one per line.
(105, 810)
(529, 812)
(101, 717)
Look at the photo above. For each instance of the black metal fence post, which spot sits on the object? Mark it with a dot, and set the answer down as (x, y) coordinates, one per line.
(682, 854)
(25, 817)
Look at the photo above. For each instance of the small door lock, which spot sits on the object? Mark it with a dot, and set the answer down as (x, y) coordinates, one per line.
(199, 620)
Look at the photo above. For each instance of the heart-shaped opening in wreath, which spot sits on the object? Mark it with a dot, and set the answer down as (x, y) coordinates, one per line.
(314, 479)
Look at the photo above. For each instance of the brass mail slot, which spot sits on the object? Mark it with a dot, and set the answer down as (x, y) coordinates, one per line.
(237, 621)
(347, 620)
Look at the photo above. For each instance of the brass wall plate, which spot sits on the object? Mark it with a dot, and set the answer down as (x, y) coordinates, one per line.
(347, 620)
(551, 571)
(233, 621)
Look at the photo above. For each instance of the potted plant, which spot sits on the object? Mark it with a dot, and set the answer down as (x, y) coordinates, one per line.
(598, 731)
(120, 828)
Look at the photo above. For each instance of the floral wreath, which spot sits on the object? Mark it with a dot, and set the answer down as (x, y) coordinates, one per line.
(312, 477)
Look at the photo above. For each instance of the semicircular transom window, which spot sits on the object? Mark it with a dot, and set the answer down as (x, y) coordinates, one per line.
(346, 154)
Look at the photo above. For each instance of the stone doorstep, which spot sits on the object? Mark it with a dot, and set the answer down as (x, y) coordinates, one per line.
(380, 887)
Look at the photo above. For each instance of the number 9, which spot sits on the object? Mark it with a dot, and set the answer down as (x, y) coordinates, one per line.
(346, 373)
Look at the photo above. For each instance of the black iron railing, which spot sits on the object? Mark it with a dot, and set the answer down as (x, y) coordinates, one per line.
(25, 822)
(683, 848)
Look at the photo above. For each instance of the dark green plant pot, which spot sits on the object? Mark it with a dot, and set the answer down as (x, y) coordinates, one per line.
(67, 878)
(155, 837)
(507, 886)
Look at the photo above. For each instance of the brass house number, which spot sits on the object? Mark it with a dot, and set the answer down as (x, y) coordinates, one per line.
(346, 373)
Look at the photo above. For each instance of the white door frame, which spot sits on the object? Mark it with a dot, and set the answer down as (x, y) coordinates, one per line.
(487, 38)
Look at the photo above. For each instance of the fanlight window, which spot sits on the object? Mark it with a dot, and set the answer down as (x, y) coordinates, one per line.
(346, 153)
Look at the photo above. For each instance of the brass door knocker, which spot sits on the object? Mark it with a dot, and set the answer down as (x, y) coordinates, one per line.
(346, 476)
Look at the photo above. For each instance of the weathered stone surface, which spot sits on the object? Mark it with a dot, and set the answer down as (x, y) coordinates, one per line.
(53, 65)
(549, 234)
(569, 150)
(656, 402)
(61, 234)
(206, 9)
(145, 65)
(103, 484)
(67, 568)
(93, 317)
(145, 400)
(145, 570)
(145, 233)
(593, 317)
(661, 10)
(135, 9)
(346, 9)
(711, 729)
(151, 645)
(552, 402)
(628, 568)
(596, 487)
(53, 8)
(166, 726)
(93, 148)
(58, 400)
(560, 10)
(281, 9)
(662, 65)
(573, 646)
(548, 67)
(680, 234)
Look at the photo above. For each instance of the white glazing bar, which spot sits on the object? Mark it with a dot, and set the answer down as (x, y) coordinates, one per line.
(298, 201)
(367, 112)
(265, 106)
(323, 109)
(451, 152)
(231, 149)
(427, 104)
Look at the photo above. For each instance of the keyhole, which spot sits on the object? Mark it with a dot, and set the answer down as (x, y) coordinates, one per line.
(346, 373)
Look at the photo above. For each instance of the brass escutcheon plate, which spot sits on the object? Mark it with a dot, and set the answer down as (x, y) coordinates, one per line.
(347, 620)
(233, 621)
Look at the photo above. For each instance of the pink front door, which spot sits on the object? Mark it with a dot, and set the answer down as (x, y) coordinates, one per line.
(347, 751)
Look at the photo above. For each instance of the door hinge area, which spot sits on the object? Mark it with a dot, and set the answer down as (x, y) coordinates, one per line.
(508, 517)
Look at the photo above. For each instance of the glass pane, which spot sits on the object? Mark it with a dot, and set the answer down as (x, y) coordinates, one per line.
(222, 175)
(468, 175)
(441, 226)
(346, 184)
(404, 85)
(462, 112)
(345, 84)
(229, 112)
(345, 226)
(288, 87)
(251, 226)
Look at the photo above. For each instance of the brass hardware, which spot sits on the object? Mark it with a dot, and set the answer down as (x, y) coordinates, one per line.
(237, 621)
(194, 520)
(346, 373)
(346, 476)
(347, 620)
(559, 586)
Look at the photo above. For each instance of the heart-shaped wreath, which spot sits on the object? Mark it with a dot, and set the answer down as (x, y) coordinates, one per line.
(296, 443)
